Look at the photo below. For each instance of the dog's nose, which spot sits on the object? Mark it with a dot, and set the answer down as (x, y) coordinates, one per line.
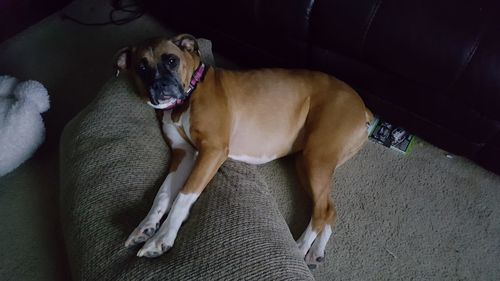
(158, 85)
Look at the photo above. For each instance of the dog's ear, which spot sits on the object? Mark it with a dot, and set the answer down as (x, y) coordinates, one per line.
(186, 42)
(122, 59)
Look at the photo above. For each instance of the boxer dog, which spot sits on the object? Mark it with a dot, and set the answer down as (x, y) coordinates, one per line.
(256, 116)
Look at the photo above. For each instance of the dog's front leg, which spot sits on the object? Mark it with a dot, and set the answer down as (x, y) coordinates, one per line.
(181, 165)
(207, 163)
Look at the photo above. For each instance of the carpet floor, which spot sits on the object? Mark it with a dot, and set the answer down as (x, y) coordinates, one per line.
(423, 216)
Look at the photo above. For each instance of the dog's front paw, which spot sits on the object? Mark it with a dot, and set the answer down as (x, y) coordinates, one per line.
(154, 248)
(141, 234)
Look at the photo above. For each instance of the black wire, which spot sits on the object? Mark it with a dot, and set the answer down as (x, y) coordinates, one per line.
(135, 10)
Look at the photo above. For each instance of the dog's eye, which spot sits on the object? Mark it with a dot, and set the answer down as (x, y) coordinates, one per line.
(169, 60)
(144, 71)
(142, 66)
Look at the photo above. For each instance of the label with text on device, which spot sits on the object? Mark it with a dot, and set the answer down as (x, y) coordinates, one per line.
(390, 135)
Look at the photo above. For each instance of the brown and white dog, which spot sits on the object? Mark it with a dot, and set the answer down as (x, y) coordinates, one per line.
(256, 116)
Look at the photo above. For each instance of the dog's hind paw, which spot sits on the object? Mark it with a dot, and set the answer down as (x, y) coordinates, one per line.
(316, 253)
(141, 234)
(313, 260)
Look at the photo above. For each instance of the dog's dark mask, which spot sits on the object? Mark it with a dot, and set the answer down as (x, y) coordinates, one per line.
(162, 80)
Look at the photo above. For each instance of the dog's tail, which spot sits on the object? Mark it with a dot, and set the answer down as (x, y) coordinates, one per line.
(368, 116)
(369, 120)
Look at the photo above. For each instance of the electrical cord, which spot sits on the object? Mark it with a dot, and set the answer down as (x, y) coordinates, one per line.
(133, 9)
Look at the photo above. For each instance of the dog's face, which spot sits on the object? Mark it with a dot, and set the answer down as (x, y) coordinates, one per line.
(162, 68)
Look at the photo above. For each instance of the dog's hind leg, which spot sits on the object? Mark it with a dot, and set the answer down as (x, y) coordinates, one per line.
(315, 176)
(332, 136)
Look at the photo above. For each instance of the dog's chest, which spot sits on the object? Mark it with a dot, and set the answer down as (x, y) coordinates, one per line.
(176, 127)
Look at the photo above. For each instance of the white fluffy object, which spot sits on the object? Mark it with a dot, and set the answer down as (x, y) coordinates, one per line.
(21, 125)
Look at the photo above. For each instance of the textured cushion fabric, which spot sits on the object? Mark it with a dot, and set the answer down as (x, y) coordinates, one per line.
(113, 160)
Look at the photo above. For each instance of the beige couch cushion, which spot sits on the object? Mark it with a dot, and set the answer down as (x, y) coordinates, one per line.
(113, 160)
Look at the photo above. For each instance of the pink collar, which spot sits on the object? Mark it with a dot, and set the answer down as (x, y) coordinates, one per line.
(198, 76)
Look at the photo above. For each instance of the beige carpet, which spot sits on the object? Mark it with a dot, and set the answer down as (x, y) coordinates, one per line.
(422, 216)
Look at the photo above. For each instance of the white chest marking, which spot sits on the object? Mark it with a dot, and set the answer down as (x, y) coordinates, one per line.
(252, 159)
(183, 122)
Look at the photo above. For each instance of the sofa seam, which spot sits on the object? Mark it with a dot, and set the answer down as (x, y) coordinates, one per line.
(373, 13)
(467, 61)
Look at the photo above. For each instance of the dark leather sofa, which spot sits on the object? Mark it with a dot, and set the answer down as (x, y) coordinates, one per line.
(432, 66)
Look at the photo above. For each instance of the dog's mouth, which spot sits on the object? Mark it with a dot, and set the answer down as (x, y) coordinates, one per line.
(165, 104)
